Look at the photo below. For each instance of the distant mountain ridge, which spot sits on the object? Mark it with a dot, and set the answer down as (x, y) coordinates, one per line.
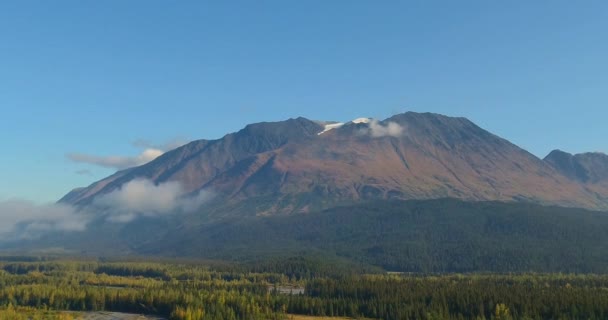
(590, 167)
(300, 165)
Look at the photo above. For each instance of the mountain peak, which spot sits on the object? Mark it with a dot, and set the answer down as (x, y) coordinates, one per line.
(427, 117)
(299, 164)
(557, 153)
(589, 167)
(284, 125)
(279, 132)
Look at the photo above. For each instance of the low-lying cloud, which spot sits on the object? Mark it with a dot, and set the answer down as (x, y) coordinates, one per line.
(20, 219)
(144, 198)
(391, 129)
(24, 219)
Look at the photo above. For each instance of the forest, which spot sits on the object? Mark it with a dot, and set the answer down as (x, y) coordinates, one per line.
(60, 288)
(423, 236)
(442, 235)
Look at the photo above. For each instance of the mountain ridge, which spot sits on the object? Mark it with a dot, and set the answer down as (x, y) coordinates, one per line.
(588, 167)
(408, 156)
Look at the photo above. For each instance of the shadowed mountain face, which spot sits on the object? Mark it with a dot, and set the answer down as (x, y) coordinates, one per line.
(288, 167)
(588, 168)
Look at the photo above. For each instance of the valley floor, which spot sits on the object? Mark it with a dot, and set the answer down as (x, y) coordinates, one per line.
(118, 290)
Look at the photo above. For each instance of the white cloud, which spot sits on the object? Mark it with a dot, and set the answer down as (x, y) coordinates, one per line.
(392, 129)
(24, 219)
(167, 146)
(116, 162)
(143, 197)
(150, 152)
(20, 219)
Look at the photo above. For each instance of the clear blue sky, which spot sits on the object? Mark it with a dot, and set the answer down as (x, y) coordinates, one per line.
(93, 76)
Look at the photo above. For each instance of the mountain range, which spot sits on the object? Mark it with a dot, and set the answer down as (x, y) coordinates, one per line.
(300, 165)
(417, 192)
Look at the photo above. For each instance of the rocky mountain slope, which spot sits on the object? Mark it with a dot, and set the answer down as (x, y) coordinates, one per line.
(300, 165)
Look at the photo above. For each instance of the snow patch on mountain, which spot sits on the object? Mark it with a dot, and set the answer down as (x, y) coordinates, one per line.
(331, 126)
(334, 125)
(362, 120)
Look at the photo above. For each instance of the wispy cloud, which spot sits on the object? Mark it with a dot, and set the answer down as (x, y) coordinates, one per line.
(150, 152)
(166, 146)
(116, 162)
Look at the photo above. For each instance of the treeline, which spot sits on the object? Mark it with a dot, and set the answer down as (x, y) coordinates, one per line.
(458, 297)
(175, 291)
(161, 300)
(193, 292)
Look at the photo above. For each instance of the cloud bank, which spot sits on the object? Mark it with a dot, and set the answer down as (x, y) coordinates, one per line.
(20, 219)
(377, 130)
(23, 219)
(144, 198)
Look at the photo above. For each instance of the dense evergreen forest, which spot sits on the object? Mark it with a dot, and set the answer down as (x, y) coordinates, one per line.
(444, 235)
(189, 290)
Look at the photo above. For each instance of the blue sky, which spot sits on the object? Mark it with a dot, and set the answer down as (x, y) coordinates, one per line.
(92, 77)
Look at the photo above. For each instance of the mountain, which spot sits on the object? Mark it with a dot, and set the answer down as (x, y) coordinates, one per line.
(587, 168)
(415, 192)
(197, 163)
(300, 165)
